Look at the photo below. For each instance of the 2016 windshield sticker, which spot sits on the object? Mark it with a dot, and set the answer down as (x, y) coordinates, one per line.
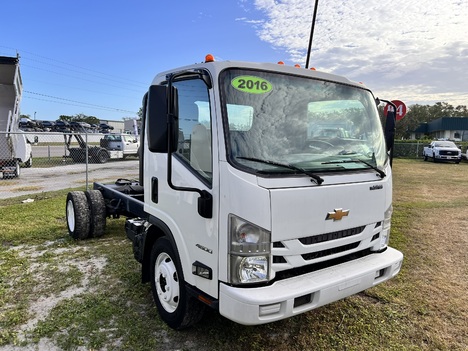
(251, 84)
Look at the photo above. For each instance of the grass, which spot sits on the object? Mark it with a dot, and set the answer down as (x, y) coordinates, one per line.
(87, 294)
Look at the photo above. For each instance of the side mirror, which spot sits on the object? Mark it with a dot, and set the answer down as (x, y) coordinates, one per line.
(390, 130)
(162, 118)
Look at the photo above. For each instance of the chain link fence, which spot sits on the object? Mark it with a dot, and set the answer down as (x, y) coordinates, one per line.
(35, 162)
(415, 149)
(409, 150)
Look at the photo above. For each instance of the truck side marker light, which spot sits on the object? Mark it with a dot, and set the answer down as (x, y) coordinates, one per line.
(202, 270)
(204, 300)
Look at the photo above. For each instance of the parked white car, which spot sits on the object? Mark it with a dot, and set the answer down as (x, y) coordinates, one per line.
(442, 150)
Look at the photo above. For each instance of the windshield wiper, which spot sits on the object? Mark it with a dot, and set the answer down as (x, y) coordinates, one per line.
(356, 160)
(317, 179)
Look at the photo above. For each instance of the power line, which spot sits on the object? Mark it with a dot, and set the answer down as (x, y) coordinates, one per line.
(75, 72)
(80, 78)
(69, 101)
(70, 64)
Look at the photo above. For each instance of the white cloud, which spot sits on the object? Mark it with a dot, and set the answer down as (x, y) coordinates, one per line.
(416, 50)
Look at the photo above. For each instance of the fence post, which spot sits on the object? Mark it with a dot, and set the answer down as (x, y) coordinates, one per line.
(86, 154)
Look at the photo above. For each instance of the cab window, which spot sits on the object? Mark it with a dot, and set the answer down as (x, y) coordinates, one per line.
(194, 142)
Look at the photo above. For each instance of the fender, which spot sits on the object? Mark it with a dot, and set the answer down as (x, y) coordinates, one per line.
(154, 231)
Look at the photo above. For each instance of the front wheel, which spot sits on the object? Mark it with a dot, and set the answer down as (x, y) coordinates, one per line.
(176, 308)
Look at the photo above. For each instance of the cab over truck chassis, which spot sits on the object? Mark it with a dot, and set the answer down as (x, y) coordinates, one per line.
(242, 204)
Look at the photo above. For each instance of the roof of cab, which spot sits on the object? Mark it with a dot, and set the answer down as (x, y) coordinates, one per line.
(216, 67)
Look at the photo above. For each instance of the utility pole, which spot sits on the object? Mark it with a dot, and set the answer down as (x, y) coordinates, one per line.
(311, 34)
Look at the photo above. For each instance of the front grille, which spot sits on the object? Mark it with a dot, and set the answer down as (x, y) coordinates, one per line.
(328, 252)
(448, 153)
(310, 240)
(320, 265)
(325, 248)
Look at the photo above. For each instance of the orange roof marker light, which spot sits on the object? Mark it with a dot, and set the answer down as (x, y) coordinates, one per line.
(313, 68)
(280, 63)
(209, 58)
(297, 65)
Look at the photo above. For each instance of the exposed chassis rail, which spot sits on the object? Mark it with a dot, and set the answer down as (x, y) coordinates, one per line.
(121, 203)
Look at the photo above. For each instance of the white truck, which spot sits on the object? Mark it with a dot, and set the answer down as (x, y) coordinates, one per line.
(111, 146)
(14, 146)
(238, 206)
(442, 150)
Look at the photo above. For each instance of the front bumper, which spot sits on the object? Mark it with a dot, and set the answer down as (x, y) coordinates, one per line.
(448, 158)
(289, 297)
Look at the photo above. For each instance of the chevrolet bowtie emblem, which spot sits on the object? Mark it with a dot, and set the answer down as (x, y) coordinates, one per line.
(337, 214)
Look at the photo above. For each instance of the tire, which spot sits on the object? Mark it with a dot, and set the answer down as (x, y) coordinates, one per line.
(77, 155)
(16, 173)
(425, 157)
(97, 211)
(78, 215)
(29, 162)
(434, 158)
(102, 156)
(176, 308)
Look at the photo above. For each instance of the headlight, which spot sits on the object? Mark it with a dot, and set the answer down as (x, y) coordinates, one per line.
(384, 236)
(250, 249)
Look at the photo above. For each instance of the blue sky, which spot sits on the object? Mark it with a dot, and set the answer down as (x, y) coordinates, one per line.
(98, 57)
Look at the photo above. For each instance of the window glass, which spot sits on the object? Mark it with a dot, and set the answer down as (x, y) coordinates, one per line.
(275, 119)
(194, 146)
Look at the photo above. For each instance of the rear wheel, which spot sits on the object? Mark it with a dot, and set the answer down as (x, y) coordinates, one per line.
(78, 215)
(102, 156)
(176, 308)
(97, 208)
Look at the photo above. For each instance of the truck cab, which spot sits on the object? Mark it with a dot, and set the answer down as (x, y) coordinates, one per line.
(127, 143)
(242, 205)
(268, 220)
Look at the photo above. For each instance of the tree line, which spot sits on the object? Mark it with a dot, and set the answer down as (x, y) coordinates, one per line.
(418, 114)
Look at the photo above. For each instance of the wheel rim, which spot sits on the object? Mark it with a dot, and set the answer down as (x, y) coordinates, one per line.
(167, 282)
(70, 216)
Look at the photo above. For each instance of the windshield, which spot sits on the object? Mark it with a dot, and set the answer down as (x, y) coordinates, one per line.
(445, 144)
(274, 120)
